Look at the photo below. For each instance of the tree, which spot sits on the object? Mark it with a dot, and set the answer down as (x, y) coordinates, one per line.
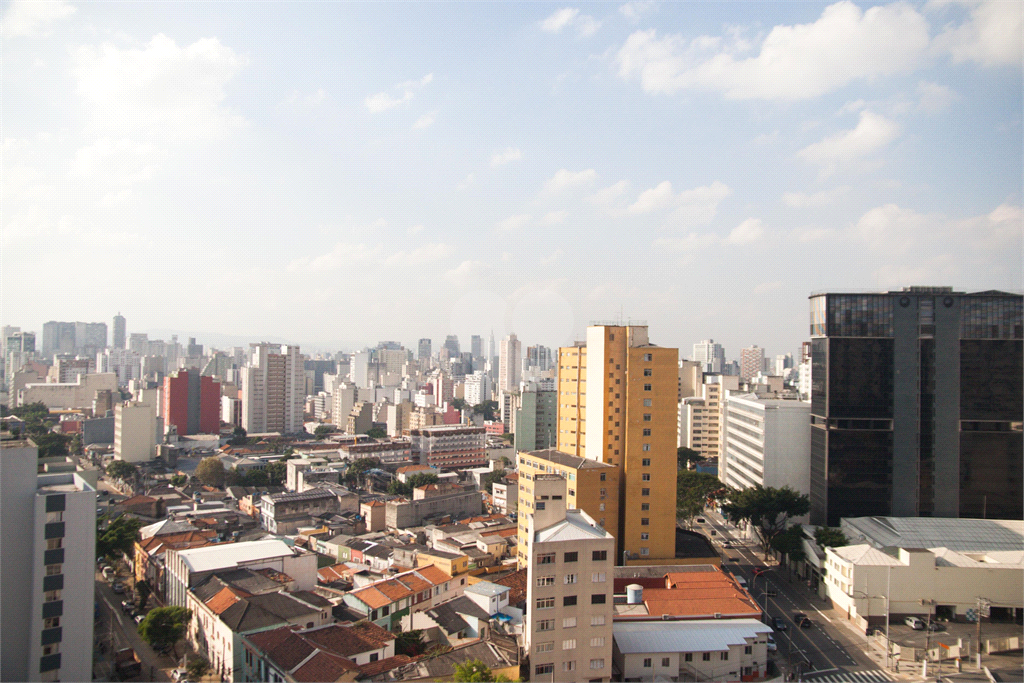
(488, 481)
(118, 537)
(377, 433)
(179, 480)
(510, 437)
(119, 469)
(255, 478)
(791, 544)
(143, 590)
(398, 488)
(409, 643)
(277, 472)
(472, 670)
(321, 432)
(767, 509)
(684, 456)
(51, 444)
(76, 444)
(238, 437)
(421, 479)
(359, 467)
(163, 627)
(830, 537)
(197, 668)
(458, 404)
(693, 492)
(486, 409)
(210, 471)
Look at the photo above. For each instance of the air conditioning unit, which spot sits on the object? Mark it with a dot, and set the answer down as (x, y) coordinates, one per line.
(718, 615)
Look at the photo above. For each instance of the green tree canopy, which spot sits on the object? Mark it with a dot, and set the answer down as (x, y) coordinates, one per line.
(51, 444)
(143, 590)
(409, 643)
(487, 409)
(163, 627)
(488, 481)
(277, 472)
(119, 536)
(119, 469)
(239, 437)
(197, 668)
(322, 431)
(458, 404)
(830, 537)
(791, 544)
(254, 478)
(684, 456)
(767, 509)
(693, 491)
(179, 480)
(376, 433)
(210, 471)
(473, 670)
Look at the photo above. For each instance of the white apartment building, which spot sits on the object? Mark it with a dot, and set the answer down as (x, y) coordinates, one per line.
(751, 361)
(450, 446)
(136, 431)
(273, 389)
(700, 417)
(710, 355)
(766, 441)
(344, 398)
(510, 366)
(49, 542)
(477, 388)
(569, 597)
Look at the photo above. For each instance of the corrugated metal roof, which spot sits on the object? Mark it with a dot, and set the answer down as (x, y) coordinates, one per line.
(961, 535)
(227, 555)
(577, 526)
(702, 635)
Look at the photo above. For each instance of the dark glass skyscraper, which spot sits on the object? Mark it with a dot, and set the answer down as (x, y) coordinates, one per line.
(917, 403)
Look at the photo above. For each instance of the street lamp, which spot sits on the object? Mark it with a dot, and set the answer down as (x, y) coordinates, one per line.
(856, 593)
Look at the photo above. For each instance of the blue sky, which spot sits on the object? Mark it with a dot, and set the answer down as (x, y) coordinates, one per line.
(339, 173)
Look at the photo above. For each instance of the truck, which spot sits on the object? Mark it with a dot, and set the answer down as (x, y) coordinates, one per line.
(127, 664)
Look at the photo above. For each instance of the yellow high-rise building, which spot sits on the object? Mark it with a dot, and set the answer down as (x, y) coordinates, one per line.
(632, 414)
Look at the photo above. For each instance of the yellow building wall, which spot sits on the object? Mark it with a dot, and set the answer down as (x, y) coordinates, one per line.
(572, 400)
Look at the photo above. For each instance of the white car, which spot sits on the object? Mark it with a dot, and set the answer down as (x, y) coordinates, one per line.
(915, 623)
(772, 647)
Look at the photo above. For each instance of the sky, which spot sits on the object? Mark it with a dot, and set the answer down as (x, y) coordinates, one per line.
(338, 173)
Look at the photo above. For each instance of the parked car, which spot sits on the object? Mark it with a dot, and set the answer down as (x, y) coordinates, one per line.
(801, 620)
(127, 606)
(760, 570)
(780, 624)
(915, 623)
(118, 587)
(139, 617)
(700, 520)
(179, 674)
(934, 626)
(772, 647)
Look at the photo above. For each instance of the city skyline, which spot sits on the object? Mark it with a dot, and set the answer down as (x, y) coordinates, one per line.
(515, 168)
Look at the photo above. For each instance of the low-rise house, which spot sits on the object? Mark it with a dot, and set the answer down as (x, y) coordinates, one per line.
(451, 623)
(432, 501)
(680, 592)
(232, 604)
(149, 559)
(699, 650)
(283, 513)
(337, 652)
(385, 602)
(490, 597)
(450, 563)
(498, 652)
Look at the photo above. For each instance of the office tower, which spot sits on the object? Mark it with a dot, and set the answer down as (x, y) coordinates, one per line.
(765, 441)
(569, 597)
(424, 349)
(451, 343)
(632, 409)
(58, 337)
(916, 404)
(191, 403)
(49, 541)
(120, 328)
(536, 418)
(751, 361)
(139, 342)
(538, 358)
(476, 346)
(273, 389)
(709, 353)
(344, 398)
(19, 349)
(509, 364)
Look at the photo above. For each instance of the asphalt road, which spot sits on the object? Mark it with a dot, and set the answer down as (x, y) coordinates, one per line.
(830, 647)
(117, 626)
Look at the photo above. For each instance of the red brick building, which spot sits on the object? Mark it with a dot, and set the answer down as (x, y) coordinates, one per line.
(191, 403)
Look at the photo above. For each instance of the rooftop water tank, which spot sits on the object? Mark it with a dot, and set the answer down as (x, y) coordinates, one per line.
(634, 594)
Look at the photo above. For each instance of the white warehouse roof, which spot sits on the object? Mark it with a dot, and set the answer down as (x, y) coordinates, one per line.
(226, 555)
(700, 635)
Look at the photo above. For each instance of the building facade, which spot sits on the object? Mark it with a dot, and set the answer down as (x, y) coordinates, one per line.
(273, 390)
(536, 419)
(450, 446)
(191, 403)
(917, 402)
(510, 369)
(136, 431)
(767, 442)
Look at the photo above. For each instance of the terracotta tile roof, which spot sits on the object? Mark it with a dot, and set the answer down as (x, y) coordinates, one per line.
(433, 574)
(393, 589)
(137, 500)
(224, 599)
(323, 666)
(282, 646)
(331, 574)
(504, 533)
(372, 597)
(349, 641)
(697, 606)
(415, 583)
(156, 545)
(516, 581)
(382, 666)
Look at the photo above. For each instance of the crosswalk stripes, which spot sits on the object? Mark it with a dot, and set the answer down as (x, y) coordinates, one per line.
(874, 676)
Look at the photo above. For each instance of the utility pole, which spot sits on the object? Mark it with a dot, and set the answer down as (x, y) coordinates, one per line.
(983, 606)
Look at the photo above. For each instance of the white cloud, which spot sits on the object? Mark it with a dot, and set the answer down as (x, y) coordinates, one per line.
(514, 223)
(871, 134)
(559, 20)
(415, 230)
(114, 166)
(383, 101)
(466, 272)
(608, 195)
(351, 255)
(812, 234)
(32, 17)
(466, 182)
(425, 121)
(803, 200)
(565, 179)
(161, 90)
(417, 84)
(934, 97)
(692, 242)
(992, 36)
(747, 232)
(508, 155)
(634, 11)
(587, 25)
(654, 199)
(554, 218)
(690, 207)
(795, 62)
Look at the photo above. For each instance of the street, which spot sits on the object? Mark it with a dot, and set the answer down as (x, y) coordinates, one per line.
(115, 630)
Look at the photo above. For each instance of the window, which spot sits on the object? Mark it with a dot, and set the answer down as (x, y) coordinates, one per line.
(647, 662)
(50, 596)
(545, 668)
(546, 558)
(571, 557)
(52, 622)
(648, 372)
(568, 666)
(647, 387)
(603, 476)
(688, 657)
(647, 417)
(55, 516)
(645, 521)
(51, 649)
(666, 661)
(54, 569)
(647, 431)
(646, 476)
(648, 356)
(570, 579)
(545, 647)
(648, 402)
(597, 577)
(645, 536)
(569, 622)
(385, 610)
(645, 551)
(569, 644)
(646, 462)
(724, 656)
(748, 650)
(597, 620)
(546, 625)
(540, 505)
(374, 656)
(644, 507)
(545, 581)
(545, 603)
(597, 642)
(601, 507)
(598, 599)
(54, 543)
(646, 447)
(596, 663)
(569, 601)
(705, 656)
(645, 492)
(599, 555)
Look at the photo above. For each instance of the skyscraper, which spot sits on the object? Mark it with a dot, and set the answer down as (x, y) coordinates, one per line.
(120, 328)
(273, 389)
(751, 361)
(424, 349)
(58, 337)
(916, 404)
(632, 409)
(510, 368)
(709, 353)
(476, 346)
(451, 343)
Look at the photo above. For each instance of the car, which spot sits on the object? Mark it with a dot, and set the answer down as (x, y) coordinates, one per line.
(139, 617)
(772, 647)
(801, 620)
(771, 593)
(760, 570)
(127, 606)
(118, 587)
(915, 623)
(179, 674)
(700, 520)
(779, 624)
(726, 544)
(934, 626)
